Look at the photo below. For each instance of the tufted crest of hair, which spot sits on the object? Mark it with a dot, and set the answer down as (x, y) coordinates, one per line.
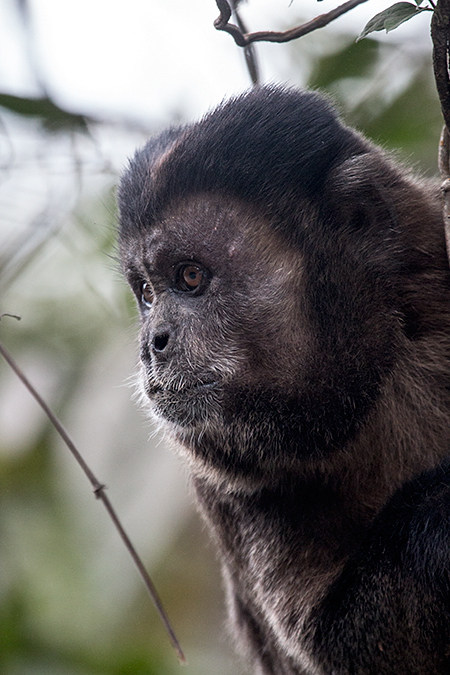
(293, 138)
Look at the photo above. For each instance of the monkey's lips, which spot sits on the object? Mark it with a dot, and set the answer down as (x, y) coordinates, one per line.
(153, 389)
(190, 405)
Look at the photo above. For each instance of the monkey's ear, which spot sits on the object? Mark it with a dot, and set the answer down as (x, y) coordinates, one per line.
(364, 181)
(364, 191)
(363, 199)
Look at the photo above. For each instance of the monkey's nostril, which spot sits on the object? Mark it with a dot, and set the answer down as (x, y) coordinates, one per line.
(160, 342)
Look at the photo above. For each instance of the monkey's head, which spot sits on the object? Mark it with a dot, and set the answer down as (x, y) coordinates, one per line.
(263, 252)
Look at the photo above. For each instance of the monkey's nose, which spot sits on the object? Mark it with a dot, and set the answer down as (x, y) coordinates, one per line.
(160, 341)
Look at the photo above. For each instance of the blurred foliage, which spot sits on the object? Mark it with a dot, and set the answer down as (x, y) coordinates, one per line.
(407, 120)
(51, 115)
(355, 59)
(70, 600)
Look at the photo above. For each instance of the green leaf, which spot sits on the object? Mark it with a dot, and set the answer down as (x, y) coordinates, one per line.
(391, 18)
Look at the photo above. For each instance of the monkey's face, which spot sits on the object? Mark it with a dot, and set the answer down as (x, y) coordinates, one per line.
(234, 360)
(219, 295)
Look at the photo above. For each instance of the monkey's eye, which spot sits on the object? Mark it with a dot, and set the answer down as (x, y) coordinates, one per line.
(189, 277)
(146, 294)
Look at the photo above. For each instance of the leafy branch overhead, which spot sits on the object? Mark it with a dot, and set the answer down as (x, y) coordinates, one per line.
(387, 20)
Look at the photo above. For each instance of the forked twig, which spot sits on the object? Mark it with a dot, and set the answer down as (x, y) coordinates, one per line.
(99, 491)
(245, 39)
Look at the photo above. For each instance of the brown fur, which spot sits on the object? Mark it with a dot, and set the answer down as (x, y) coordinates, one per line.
(306, 380)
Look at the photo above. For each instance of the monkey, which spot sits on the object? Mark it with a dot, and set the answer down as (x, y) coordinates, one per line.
(294, 295)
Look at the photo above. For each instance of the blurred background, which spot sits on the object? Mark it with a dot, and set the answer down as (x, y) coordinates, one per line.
(82, 84)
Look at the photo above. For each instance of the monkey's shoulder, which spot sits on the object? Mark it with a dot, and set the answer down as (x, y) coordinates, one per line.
(413, 530)
(389, 610)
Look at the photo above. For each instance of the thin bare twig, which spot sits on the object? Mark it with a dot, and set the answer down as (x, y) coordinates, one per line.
(244, 39)
(249, 51)
(99, 491)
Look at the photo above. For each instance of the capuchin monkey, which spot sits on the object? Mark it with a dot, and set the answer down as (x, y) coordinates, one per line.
(294, 293)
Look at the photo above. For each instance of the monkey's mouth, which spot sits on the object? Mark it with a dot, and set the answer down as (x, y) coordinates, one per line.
(187, 406)
(153, 389)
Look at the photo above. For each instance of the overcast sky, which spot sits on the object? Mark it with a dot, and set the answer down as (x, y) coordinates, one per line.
(147, 59)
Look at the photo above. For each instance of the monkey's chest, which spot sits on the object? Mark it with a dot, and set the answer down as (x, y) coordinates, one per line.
(272, 592)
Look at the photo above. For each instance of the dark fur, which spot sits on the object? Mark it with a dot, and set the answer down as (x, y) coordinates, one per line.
(308, 382)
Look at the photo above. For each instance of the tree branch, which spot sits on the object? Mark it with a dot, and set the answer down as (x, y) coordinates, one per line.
(244, 39)
(440, 35)
(99, 491)
(444, 168)
(440, 24)
(249, 51)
